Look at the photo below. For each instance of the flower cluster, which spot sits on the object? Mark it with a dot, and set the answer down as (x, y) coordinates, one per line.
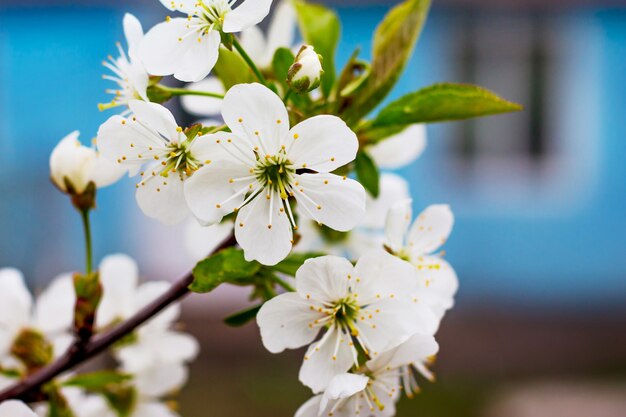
(282, 190)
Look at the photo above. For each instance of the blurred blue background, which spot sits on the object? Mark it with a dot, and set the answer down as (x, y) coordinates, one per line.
(539, 196)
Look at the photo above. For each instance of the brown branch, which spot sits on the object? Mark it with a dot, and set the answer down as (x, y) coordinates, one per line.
(29, 387)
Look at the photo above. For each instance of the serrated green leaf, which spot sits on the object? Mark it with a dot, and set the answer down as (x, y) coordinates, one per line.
(96, 381)
(227, 266)
(293, 262)
(231, 69)
(367, 173)
(242, 317)
(394, 41)
(321, 28)
(443, 102)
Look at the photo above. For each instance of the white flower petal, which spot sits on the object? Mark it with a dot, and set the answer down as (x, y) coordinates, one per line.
(163, 198)
(284, 322)
(61, 343)
(200, 57)
(248, 13)
(430, 230)
(160, 380)
(335, 201)
(119, 276)
(282, 30)
(324, 279)
(394, 321)
(200, 105)
(15, 303)
(321, 143)
(249, 109)
(325, 359)
(71, 160)
(343, 386)
(54, 308)
(393, 188)
(438, 284)
(311, 408)
(129, 143)
(200, 240)
(401, 149)
(156, 117)
(210, 193)
(106, 171)
(263, 229)
(164, 47)
(14, 408)
(417, 348)
(398, 222)
(382, 275)
(153, 409)
(134, 34)
(184, 6)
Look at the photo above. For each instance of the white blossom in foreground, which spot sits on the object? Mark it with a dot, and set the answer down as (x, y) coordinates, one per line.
(368, 234)
(401, 149)
(79, 165)
(15, 409)
(374, 391)
(306, 73)
(152, 140)
(264, 165)
(128, 71)
(25, 323)
(281, 34)
(367, 305)
(188, 47)
(438, 282)
(154, 343)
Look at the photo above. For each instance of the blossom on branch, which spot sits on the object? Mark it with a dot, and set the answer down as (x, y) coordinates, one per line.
(362, 309)
(15, 409)
(263, 166)
(188, 47)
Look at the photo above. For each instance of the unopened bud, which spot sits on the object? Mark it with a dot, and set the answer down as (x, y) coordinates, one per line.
(306, 73)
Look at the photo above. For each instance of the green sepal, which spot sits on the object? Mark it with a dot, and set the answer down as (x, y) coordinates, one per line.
(32, 349)
(97, 381)
(226, 266)
(192, 131)
(82, 201)
(58, 405)
(157, 94)
(367, 173)
(88, 295)
(443, 102)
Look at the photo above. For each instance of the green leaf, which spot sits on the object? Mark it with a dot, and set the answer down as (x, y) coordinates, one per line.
(122, 398)
(367, 173)
(97, 381)
(293, 262)
(443, 102)
(241, 318)
(231, 69)
(321, 28)
(58, 404)
(226, 266)
(282, 61)
(394, 41)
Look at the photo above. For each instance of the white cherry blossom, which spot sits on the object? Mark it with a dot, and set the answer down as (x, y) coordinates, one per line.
(50, 316)
(201, 105)
(152, 140)
(305, 74)
(80, 165)
(366, 306)
(281, 34)
(154, 343)
(401, 149)
(265, 165)
(127, 69)
(374, 391)
(188, 47)
(368, 234)
(416, 244)
(15, 408)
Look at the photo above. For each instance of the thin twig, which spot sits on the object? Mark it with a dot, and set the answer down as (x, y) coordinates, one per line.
(76, 355)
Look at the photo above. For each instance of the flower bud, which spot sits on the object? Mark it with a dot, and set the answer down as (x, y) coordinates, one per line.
(306, 73)
(73, 167)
